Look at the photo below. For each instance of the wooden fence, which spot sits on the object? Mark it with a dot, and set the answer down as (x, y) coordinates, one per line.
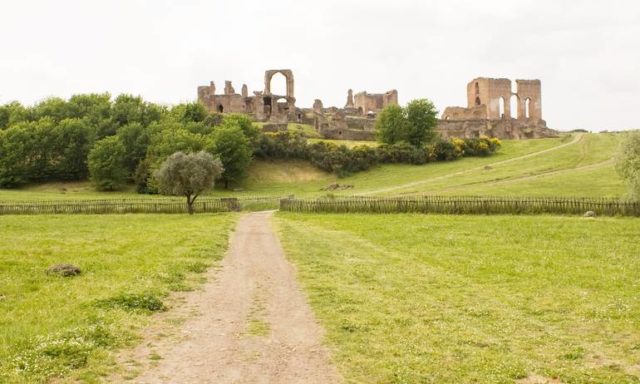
(151, 205)
(463, 205)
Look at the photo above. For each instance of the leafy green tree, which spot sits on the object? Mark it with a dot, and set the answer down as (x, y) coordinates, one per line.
(415, 124)
(54, 108)
(234, 150)
(628, 163)
(421, 117)
(189, 112)
(250, 130)
(16, 145)
(106, 164)
(71, 142)
(173, 137)
(188, 175)
(392, 125)
(13, 113)
(136, 139)
(95, 111)
(132, 109)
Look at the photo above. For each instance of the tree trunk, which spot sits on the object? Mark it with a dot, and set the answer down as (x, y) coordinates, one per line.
(190, 205)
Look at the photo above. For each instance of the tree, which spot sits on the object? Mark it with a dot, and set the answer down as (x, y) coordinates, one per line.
(628, 163)
(230, 143)
(391, 126)
(106, 164)
(414, 124)
(188, 175)
(246, 124)
(421, 117)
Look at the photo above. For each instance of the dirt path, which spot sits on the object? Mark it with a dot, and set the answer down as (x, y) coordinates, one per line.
(252, 322)
(576, 139)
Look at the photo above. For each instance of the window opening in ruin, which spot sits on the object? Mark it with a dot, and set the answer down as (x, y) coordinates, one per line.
(501, 108)
(514, 107)
(267, 105)
(477, 89)
(526, 108)
(220, 108)
(299, 117)
(278, 84)
(478, 101)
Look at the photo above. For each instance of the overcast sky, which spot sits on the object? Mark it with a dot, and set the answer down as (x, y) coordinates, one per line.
(587, 53)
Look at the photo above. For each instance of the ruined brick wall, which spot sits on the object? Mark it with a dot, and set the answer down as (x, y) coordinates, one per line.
(502, 129)
(374, 102)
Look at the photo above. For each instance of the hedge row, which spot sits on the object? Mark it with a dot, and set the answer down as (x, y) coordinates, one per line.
(343, 161)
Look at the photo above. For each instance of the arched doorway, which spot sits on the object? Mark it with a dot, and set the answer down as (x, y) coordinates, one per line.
(501, 108)
(527, 108)
(220, 108)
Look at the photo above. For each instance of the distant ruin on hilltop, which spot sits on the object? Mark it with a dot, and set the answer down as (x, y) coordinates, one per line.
(488, 110)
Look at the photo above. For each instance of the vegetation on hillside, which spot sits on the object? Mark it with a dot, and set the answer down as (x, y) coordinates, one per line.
(126, 140)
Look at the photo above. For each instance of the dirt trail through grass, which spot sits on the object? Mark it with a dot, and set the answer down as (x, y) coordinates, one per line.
(252, 323)
(576, 139)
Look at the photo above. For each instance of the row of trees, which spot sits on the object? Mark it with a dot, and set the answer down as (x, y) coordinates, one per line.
(115, 141)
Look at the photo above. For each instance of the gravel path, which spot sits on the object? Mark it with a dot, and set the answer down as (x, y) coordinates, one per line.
(252, 323)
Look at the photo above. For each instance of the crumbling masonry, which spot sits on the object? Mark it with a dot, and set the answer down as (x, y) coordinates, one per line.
(493, 109)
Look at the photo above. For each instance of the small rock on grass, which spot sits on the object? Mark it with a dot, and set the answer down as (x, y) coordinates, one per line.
(589, 214)
(65, 270)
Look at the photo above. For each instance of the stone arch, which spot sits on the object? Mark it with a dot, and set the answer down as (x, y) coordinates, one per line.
(478, 101)
(220, 108)
(501, 108)
(288, 75)
(527, 108)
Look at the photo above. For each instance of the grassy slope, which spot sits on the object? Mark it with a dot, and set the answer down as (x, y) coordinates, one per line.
(58, 317)
(451, 299)
(580, 168)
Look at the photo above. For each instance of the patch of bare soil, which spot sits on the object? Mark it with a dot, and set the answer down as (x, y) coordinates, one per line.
(250, 324)
(537, 379)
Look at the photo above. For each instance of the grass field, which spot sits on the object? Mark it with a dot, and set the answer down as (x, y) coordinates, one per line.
(461, 299)
(580, 165)
(52, 326)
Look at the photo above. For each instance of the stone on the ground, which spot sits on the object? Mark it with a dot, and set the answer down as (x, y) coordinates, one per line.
(589, 214)
(65, 270)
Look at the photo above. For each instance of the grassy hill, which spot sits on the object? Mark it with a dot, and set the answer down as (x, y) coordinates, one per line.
(573, 165)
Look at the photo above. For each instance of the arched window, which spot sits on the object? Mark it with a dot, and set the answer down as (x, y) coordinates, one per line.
(478, 101)
(477, 88)
(220, 108)
(513, 106)
(501, 108)
(527, 108)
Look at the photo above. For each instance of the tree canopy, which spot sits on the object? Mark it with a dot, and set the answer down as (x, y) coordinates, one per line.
(414, 124)
(188, 175)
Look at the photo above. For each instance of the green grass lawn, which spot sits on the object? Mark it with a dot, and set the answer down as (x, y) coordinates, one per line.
(462, 299)
(578, 165)
(53, 326)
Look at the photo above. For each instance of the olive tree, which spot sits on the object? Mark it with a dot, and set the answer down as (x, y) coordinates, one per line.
(628, 164)
(188, 174)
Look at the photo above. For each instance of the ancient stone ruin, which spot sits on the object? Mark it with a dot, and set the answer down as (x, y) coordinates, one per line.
(493, 109)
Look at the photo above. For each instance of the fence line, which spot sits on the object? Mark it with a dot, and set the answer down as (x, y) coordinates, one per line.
(463, 205)
(151, 205)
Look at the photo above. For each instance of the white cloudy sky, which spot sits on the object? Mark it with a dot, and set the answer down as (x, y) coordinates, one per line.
(587, 53)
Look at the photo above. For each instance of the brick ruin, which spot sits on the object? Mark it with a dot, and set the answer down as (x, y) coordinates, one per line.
(495, 109)
(489, 109)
